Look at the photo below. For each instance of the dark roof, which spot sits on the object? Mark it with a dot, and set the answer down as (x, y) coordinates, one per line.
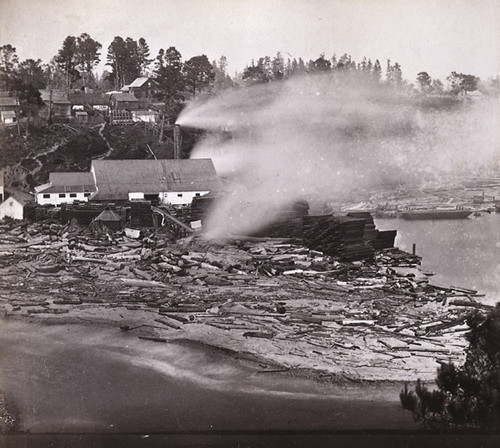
(56, 96)
(115, 179)
(21, 197)
(89, 98)
(124, 97)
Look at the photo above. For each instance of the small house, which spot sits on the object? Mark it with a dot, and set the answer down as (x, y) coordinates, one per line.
(13, 206)
(57, 104)
(8, 117)
(9, 108)
(110, 219)
(165, 181)
(125, 101)
(66, 188)
(9, 103)
(143, 87)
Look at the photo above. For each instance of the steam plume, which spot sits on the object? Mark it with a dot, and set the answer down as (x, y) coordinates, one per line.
(327, 137)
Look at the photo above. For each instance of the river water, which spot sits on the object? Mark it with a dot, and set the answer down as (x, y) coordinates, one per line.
(462, 252)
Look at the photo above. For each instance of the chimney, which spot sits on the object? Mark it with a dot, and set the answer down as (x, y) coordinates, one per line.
(177, 141)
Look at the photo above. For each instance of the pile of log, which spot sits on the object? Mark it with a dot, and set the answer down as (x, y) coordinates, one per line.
(294, 302)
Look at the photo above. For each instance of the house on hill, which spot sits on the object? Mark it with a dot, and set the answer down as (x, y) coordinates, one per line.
(66, 188)
(9, 108)
(125, 101)
(167, 181)
(13, 206)
(86, 101)
(143, 87)
(57, 104)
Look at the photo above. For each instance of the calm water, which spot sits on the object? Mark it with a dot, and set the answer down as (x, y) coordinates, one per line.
(461, 252)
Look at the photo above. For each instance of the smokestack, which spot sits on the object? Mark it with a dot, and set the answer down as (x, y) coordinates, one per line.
(177, 141)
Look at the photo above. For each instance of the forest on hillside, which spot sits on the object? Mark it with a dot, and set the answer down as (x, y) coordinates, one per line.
(74, 65)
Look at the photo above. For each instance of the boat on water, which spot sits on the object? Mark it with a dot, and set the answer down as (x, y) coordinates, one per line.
(436, 213)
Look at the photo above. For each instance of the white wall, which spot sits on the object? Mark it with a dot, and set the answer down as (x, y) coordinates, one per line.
(180, 197)
(11, 207)
(54, 198)
(172, 198)
(135, 196)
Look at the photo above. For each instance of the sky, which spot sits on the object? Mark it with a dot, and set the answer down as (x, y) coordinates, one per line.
(437, 36)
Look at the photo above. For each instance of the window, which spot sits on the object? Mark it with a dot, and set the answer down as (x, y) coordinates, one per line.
(62, 195)
(86, 194)
(72, 195)
(197, 194)
(179, 195)
(46, 196)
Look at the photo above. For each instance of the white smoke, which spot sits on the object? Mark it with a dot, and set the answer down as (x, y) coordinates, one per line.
(325, 137)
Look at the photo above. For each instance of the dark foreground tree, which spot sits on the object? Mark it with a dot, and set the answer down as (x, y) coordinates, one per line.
(468, 396)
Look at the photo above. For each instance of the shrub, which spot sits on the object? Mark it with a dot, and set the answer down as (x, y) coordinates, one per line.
(468, 396)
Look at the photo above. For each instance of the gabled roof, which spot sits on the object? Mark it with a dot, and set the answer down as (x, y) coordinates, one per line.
(124, 97)
(68, 183)
(21, 197)
(115, 179)
(9, 101)
(139, 82)
(108, 215)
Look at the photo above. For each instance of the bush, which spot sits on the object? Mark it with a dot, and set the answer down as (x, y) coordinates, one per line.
(468, 396)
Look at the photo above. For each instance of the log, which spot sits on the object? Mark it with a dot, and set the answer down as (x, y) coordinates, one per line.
(472, 304)
(142, 283)
(89, 260)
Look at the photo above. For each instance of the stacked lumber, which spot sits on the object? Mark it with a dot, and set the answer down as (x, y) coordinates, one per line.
(337, 236)
(141, 214)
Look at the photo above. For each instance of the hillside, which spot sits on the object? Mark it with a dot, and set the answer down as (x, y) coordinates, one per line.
(28, 159)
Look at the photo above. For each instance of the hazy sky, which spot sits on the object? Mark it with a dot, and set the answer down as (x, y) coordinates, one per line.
(437, 36)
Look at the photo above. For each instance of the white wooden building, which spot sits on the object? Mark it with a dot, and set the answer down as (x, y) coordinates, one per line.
(168, 181)
(66, 188)
(13, 206)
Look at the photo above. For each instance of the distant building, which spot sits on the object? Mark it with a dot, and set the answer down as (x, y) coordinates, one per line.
(167, 181)
(9, 108)
(57, 104)
(85, 101)
(13, 206)
(125, 101)
(143, 87)
(66, 188)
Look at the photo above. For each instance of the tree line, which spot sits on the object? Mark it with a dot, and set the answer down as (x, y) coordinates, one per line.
(74, 66)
